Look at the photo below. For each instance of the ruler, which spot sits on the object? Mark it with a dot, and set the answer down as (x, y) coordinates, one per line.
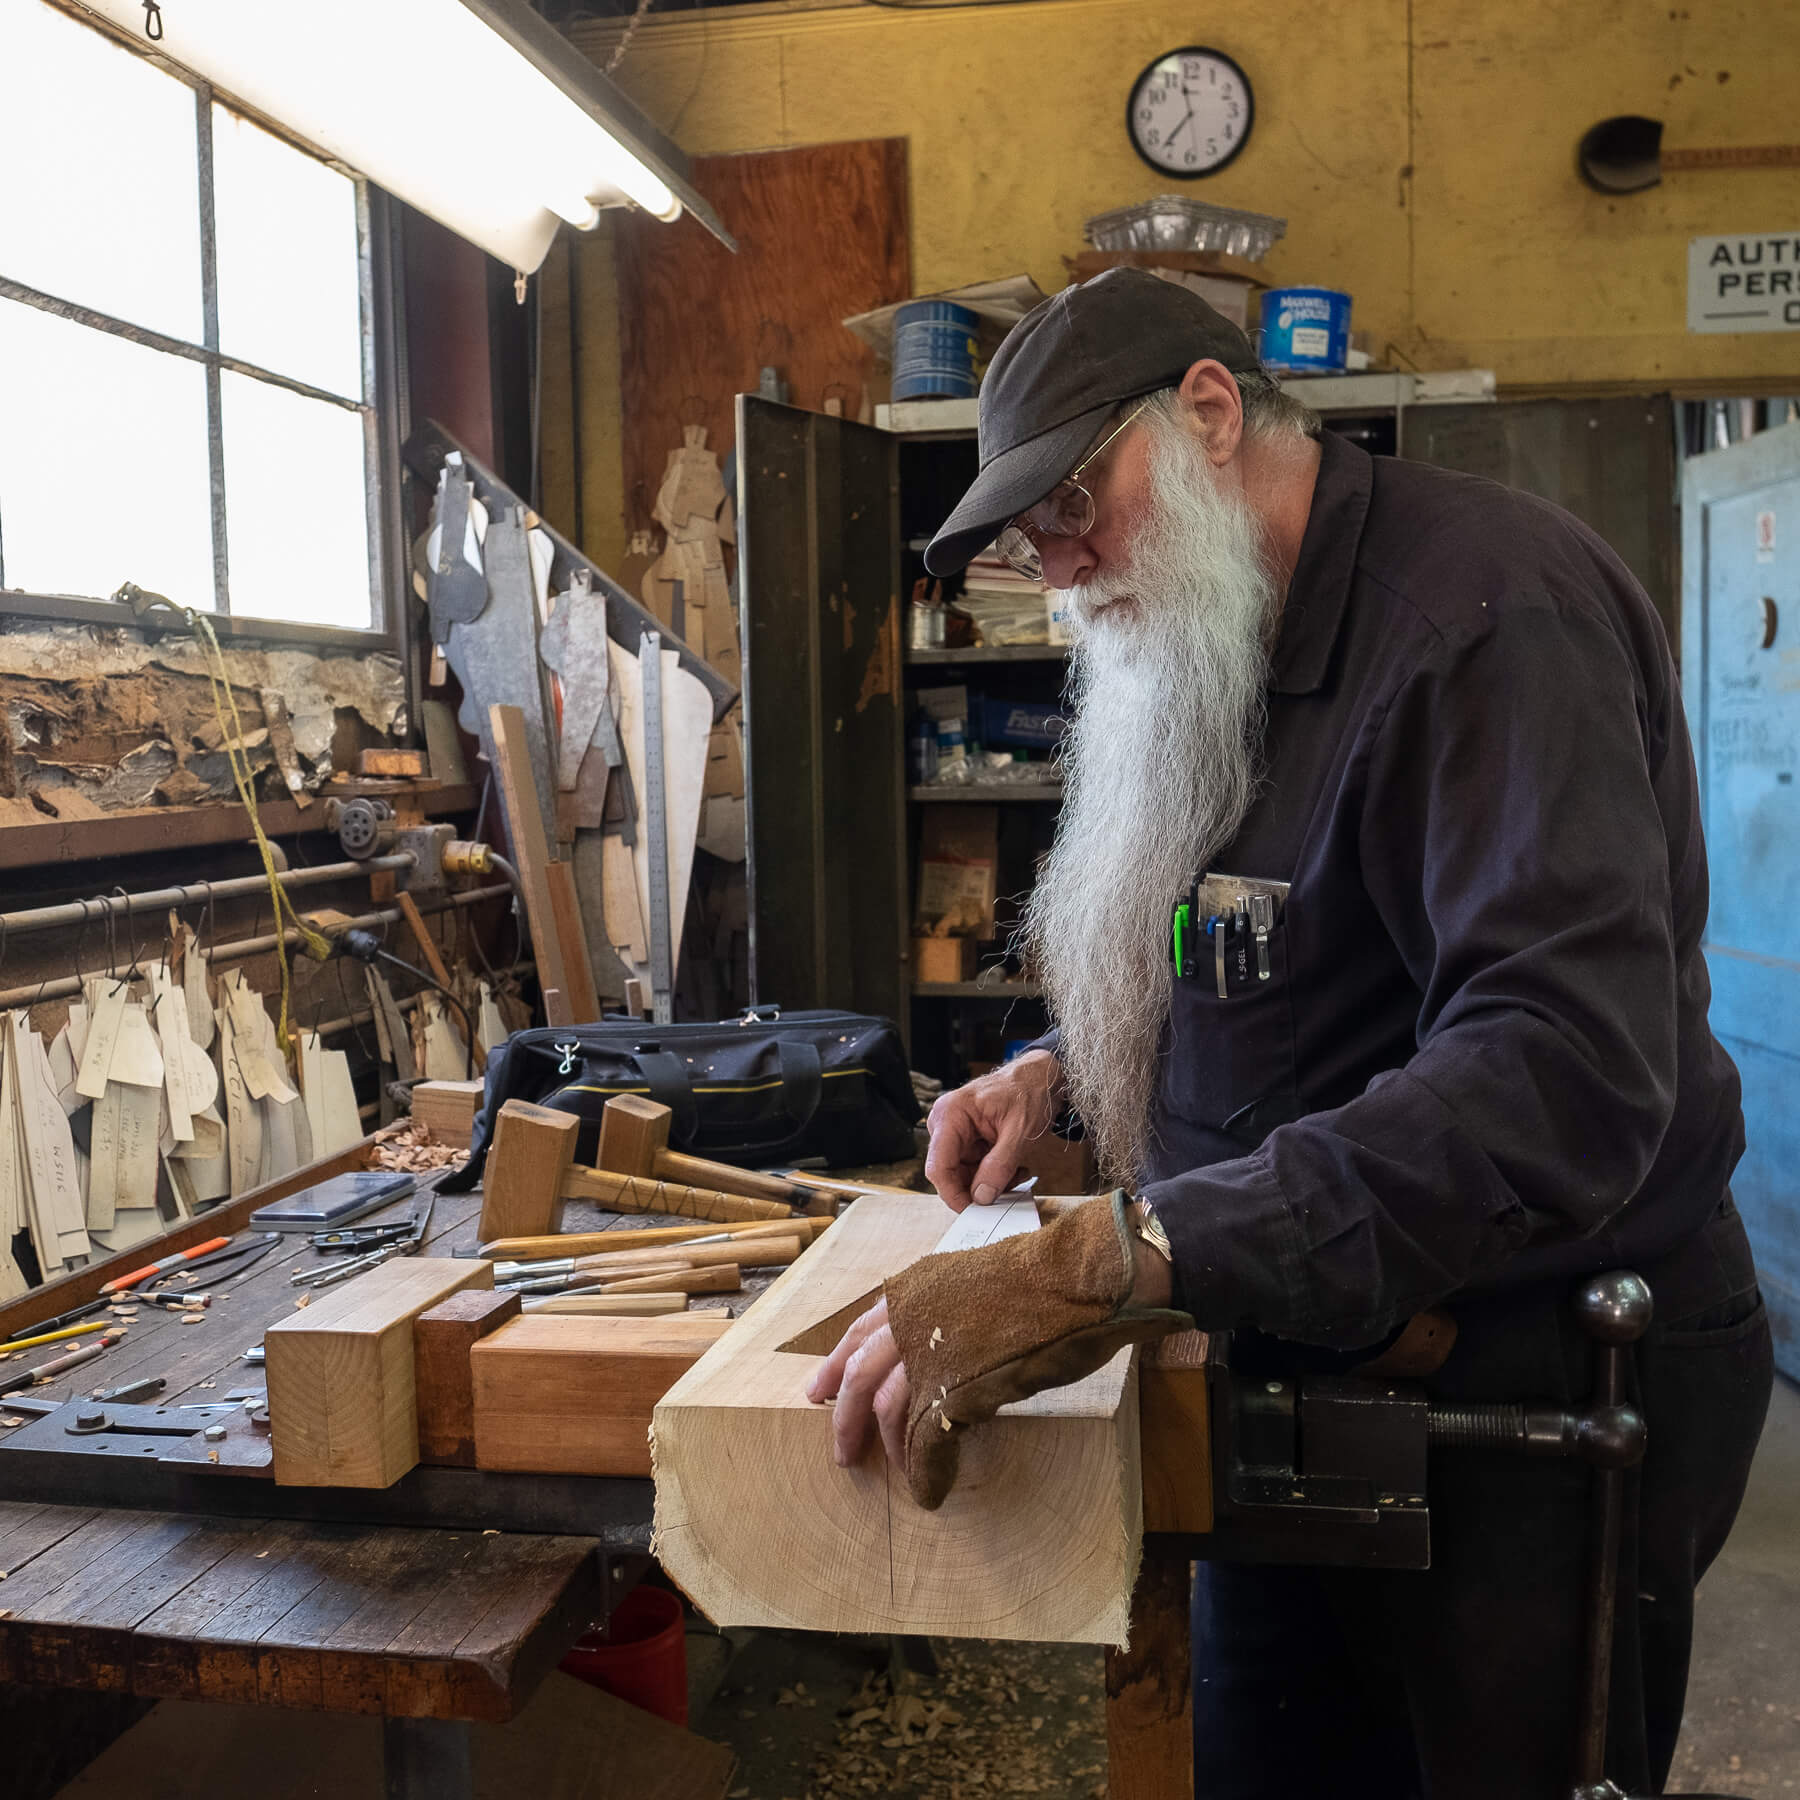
(656, 830)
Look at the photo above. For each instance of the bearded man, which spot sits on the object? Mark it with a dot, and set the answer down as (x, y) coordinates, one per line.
(1400, 757)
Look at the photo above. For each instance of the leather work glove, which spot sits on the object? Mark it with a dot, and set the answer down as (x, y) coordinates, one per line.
(979, 1328)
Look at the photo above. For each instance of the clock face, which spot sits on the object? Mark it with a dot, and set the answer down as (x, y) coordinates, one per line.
(1190, 112)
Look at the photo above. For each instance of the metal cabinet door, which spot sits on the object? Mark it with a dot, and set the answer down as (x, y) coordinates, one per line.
(824, 776)
(1741, 678)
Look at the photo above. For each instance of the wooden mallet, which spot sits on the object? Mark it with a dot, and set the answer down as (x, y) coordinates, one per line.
(634, 1140)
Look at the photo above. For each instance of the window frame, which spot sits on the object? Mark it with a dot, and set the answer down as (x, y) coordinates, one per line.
(382, 408)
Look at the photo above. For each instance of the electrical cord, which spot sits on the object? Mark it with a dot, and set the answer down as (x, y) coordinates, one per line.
(366, 948)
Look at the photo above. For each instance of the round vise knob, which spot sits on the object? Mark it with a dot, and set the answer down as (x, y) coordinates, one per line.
(1615, 1308)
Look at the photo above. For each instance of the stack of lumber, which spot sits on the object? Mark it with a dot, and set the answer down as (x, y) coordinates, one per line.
(1038, 1540)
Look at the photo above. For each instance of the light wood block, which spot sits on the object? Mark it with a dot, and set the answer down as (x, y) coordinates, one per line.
(526, 1171)
(448, 1109)
(342, 1406)
(572, 1395)
(1039, 1539)
(443, 1336)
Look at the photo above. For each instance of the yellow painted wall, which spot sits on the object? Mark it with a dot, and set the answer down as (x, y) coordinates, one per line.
(1422, 152)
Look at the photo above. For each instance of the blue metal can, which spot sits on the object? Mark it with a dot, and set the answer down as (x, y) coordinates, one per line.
(1305, 330)
(934, 350)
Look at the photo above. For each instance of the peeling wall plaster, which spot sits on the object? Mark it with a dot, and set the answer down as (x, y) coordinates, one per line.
(128, 723)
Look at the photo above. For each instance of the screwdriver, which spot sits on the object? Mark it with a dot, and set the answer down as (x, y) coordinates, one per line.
(59, 1365)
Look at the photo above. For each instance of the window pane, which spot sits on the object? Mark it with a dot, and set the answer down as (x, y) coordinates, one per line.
(295, 506)
(103, 465)
(289, 293)
(100, 201)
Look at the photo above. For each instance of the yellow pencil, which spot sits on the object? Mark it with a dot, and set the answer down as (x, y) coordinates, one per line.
(50, 1337)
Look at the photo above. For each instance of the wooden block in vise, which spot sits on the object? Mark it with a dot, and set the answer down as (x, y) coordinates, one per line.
(448, 1109)
(634, 1140)
(1176, 1445)
(443, 1336)
(342, 1405)
(572, 1395)
(527, 1170)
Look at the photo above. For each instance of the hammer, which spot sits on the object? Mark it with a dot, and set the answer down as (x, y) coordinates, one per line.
(634, 1140)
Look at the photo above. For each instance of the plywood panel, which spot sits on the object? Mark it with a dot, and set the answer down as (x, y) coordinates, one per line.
(822, 233)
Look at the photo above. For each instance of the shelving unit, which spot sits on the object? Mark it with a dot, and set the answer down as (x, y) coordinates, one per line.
(988, 792)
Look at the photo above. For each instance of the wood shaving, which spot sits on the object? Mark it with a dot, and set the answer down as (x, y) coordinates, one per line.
(10, 1421)
(407, 1145)
(304, 1300)
(212, 1456)
(188, 1318)
(206, 1384)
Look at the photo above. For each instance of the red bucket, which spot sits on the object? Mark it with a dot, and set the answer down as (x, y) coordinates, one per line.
(639, 1654)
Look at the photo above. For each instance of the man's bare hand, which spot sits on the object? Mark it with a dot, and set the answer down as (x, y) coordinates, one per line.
(977, 1131)
(868, 1380)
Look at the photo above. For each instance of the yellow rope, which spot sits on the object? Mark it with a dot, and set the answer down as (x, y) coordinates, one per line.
(314, 942)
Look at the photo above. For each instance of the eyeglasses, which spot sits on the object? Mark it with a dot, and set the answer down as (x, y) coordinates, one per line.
(1066, 511)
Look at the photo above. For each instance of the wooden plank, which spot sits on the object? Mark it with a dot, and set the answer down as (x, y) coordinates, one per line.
(448, 1108)
(158, 830)
(531, 850)
(1149, 1702)
(1038, 1540)
(574, 1396)
(584, 1002)
(796, 263)
(342, 1409)
(527, 1169)
(443, 1336)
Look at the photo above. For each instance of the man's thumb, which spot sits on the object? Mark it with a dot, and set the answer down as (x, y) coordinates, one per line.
(998, 1167)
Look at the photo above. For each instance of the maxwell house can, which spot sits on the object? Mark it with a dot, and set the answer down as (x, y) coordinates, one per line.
(1305, 330)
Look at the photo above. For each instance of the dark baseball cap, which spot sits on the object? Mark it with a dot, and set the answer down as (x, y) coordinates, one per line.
(1057, 377)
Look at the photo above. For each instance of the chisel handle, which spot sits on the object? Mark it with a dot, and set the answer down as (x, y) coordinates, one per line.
(636, 1193)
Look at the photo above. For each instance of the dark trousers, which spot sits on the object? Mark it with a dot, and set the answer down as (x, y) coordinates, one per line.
(1462, 1682)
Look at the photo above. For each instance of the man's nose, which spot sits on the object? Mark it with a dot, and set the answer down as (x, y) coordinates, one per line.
(1068, 561)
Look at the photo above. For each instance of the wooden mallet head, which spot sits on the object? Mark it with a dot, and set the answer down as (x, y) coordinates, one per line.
(634, 1131)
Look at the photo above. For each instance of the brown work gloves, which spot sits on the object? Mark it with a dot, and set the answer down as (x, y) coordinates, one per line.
(979, 1328)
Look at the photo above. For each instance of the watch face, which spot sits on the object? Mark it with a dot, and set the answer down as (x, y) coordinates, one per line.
(1190, 112)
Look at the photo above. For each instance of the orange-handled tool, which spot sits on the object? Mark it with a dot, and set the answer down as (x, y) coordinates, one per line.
(158, 1268)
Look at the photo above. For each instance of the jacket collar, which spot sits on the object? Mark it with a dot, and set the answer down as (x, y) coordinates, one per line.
(1320, 590)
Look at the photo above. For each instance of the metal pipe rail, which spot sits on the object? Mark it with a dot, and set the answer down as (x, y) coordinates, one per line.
(65, 987)
(235, 887)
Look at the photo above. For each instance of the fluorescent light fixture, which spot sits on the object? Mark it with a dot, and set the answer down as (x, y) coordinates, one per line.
(477, 112)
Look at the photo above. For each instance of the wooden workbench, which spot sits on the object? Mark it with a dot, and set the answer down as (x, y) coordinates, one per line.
(430, 1625)
(403, 1603)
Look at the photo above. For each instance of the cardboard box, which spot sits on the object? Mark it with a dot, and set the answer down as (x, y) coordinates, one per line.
(943, 959)
(959, 860)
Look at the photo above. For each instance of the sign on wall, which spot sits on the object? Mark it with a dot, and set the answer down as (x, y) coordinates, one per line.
(1749, 281)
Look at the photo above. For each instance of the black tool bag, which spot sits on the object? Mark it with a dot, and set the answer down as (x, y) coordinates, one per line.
(766, 1088)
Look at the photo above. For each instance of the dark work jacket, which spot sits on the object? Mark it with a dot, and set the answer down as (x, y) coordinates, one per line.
(1482, 1057)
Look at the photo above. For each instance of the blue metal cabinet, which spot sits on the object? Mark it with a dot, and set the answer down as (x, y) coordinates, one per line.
(1740, 664)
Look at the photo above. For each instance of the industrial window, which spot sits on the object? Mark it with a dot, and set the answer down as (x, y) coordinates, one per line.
(186, 368)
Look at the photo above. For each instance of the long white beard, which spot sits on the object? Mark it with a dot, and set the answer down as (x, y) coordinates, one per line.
(1160, 763)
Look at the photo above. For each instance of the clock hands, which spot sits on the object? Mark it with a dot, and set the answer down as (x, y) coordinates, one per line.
(1177, 131)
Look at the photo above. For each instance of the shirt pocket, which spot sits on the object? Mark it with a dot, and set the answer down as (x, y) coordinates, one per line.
(1230, 1065)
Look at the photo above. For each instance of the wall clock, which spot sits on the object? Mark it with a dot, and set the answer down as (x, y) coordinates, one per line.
(1190, 112)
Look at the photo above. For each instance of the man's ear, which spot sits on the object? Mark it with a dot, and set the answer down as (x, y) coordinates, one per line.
(1213, 408)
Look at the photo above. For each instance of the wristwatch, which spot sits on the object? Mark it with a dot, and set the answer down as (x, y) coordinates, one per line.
(1150, 1228)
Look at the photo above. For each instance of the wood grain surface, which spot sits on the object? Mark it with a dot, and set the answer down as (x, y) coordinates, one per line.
(573, 1394)
(1038, 1540)
(822, 234)
(443, 1336)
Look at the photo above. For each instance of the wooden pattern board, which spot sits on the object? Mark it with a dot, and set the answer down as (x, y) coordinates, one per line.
(823, 233)
(1039, 1540)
